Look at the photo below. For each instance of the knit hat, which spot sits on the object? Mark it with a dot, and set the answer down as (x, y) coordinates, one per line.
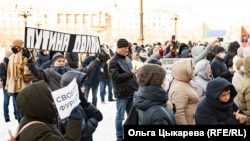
(57, 56)
(219, 49)
(17, 43)
(151, 74)
(154, 61)
(122, 43)
(7, 53)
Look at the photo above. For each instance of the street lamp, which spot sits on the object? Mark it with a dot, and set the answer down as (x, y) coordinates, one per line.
(25, 14)
(175, 18)
(141, 38)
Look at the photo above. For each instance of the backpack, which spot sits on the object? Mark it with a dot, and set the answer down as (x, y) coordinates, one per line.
(14, 138)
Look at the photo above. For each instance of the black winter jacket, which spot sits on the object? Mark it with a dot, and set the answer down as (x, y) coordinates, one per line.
(123, 80)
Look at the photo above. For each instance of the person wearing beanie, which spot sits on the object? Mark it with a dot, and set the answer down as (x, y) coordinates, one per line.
(36, 103)
(3, 77)
(48, 63)
(151, 97)
(182, 93)
(91, 115)
(58, 67)
(218, 66)
(17, 68)
(124, 83)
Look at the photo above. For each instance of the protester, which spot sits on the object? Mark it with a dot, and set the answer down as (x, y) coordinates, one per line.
(218, 66)
(93, 79)
(53, 75)
(182, 93)
(36, 104)
(72, 59)
(3, 76)
(16, 71)
(151, 98)
(124, 83)
(105, 79)
(244, 90)
(42, 57)
(218, 107)
(203, 74)
(91, 115)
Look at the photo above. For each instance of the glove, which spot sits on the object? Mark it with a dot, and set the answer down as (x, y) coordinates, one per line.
(76, 113)
(84, 102)
(161, 51)
(26, 53)
(92, 111)
(102, 57)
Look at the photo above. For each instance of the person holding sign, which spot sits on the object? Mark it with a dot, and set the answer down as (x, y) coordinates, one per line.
(53, 75)
(91, 115)
(36, 104)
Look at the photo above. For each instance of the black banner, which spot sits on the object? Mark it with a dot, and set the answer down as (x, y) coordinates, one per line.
(58, 41)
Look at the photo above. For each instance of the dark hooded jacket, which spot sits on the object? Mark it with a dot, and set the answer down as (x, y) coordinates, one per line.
(211, 111)
(35, 103)
(151, 105)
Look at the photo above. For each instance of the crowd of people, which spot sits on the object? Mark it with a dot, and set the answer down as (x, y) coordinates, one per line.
(210, 85)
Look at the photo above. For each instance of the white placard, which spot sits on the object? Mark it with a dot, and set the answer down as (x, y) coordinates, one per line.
(66, 99)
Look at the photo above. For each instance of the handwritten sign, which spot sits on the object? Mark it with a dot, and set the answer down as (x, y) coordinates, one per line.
(66, 99)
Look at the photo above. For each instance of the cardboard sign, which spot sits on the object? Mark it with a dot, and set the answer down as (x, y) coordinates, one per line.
(58, 41)
(66, 99)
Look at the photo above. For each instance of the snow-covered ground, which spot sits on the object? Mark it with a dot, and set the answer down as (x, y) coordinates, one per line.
(104, 132)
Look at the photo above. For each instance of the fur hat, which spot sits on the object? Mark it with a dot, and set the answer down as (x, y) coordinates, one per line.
(151, 74)
(122, 43)
(219, 49)
(18, 43)
(57, 56)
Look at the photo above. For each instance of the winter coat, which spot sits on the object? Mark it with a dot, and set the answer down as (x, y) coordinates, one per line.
(152, 109)
(219, 68)
(211, 111)
(72, 59)
(123, 80)
(16, 68)
(3, 70)
(52, 77)
(41, 58)
(201, 78)
(35, 103)
(94, 78)
(89, 123)
(182, 93)
(244, 91)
